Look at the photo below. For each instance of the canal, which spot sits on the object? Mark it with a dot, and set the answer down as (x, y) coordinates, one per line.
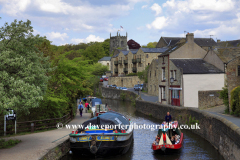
(194, 147)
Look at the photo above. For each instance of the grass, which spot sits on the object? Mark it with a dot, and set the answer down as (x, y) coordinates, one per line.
(9, 143)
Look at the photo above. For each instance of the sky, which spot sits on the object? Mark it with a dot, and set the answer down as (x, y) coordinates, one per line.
(77, 21)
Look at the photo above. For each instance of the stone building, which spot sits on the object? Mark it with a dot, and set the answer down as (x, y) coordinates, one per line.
(105, 61)
(118, 42)
(204, 43)
(184, 63)
(133, 61)
(228, 59)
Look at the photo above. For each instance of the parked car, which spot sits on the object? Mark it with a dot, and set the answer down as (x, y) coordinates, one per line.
(103, 76)
(105, 79)
(136, 87)
(141, 87)
(110, 86)
(114, 86)
(124, 88)
(117, 87)
(101, 80)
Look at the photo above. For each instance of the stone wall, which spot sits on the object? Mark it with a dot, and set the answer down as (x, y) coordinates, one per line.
(233, 80)
(113, 93)
(145, 86)
(208, 99)
(221, 133)
(127, 81)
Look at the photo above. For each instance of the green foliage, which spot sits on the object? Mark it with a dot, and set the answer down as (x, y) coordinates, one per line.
(224, 96)
(131, 74)
(99, 69)
(143, 75)
(23, 68)
(235, 101)
(9, 143)
(123, 96)
(106, 46)
(94, 52)
(192, 120)
(150, 45)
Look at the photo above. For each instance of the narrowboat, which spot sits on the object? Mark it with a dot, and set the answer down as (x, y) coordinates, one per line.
(166, 132)
(108, 134)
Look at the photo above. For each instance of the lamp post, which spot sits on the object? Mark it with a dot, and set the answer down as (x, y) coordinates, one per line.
(171, 81)
(138, 87)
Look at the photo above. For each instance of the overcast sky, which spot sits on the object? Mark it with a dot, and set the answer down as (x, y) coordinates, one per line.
(75, 21)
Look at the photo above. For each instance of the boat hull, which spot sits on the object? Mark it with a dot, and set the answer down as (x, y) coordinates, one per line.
(104, 148)
(166, 148)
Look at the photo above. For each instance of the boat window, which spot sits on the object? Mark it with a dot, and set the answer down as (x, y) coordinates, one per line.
(116, 119)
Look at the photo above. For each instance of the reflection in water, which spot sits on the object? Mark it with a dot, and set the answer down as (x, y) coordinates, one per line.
(194, 147)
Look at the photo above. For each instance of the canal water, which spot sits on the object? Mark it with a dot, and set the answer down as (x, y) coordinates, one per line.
(194, 147)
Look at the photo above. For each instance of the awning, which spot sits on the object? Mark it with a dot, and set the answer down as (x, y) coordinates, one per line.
(175, 88)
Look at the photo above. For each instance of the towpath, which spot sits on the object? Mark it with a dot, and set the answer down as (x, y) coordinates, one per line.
(36, 145)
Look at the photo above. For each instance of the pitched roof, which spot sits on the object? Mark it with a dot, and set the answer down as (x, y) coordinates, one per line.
(134, 51)
(125, 52)
(171, 40)
(228, 54)
(154, 50)
(203, 42)
(195, 66)
(115, 55)
(173, 48)
(105, 59)
(233, 43)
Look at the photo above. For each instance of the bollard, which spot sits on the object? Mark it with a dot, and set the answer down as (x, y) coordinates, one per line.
(32, 127)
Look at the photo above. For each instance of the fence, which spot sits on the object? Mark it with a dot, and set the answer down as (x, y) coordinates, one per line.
(31, 126)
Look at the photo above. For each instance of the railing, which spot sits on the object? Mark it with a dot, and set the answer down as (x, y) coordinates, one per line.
(115, 62)
(31, 126)
(115, 70)
(134, 69)
(125, 61)
(138, 60)
(134, 60)
(125, 69)
(119, 61)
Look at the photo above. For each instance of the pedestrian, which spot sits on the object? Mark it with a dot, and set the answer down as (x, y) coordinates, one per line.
(106, 106)
(168, 117)
(80, 107)
(86, 107)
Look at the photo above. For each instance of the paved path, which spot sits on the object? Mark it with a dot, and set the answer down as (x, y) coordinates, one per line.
(36, 145)
(219, 110)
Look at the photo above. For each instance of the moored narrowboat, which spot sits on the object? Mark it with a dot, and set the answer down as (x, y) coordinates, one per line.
(105, 135)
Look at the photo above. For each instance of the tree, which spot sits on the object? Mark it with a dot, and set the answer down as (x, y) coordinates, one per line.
(143, 75)
(106, 46)
(94, 52)
(23, 68)
(151, 45)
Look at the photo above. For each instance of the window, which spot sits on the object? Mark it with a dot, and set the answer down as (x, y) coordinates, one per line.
(163, 60)
(163, 74)
(171, 73)
(155, 73)
(147, 56)
(122, 43)
(148, 64)
(150, 73)
(175, 94)
(155, 87)
(238, 70)
(163, 93)
(107, 64)
(174, 75)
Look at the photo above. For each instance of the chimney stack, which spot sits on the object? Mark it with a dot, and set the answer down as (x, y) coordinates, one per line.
(190, 37)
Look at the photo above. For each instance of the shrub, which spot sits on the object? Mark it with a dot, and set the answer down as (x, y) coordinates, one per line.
(235, 101)
(224, 97)
(123, 96)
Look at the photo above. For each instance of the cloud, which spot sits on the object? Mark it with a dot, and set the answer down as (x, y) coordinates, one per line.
(158, 23)
(57, 35)
(90, 38)
(145, 6)
(13, 7)
(155, 7)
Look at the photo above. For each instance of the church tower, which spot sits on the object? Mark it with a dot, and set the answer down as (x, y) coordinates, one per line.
(118, 42)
